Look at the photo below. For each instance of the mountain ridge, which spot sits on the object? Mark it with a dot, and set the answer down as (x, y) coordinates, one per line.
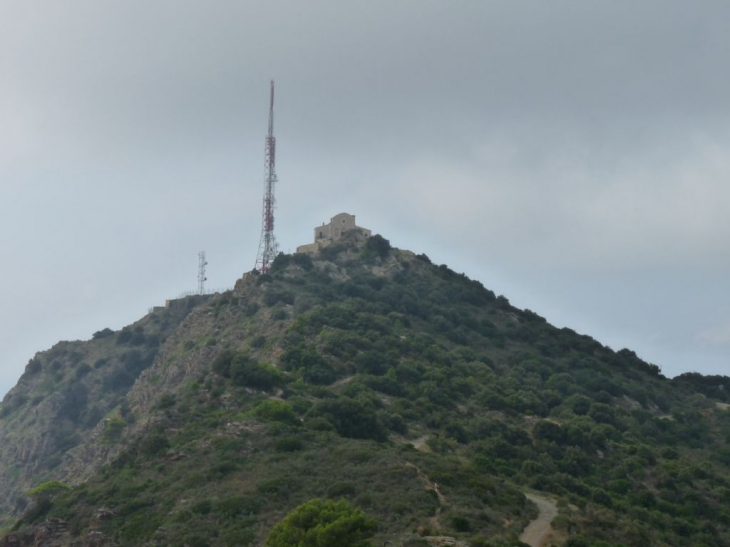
(353, 355)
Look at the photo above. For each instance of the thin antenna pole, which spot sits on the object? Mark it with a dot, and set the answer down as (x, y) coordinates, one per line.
(267, 244)
(201, 272)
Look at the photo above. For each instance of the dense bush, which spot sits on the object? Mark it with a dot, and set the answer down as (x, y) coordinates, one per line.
(34, 366)
(222, 363)
(312, 367)
(276, 411)
(244, 371)
(379, 245)
(103, 333)
(319, 523)
(351, 418)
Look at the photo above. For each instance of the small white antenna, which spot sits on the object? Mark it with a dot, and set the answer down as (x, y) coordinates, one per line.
(201, 272)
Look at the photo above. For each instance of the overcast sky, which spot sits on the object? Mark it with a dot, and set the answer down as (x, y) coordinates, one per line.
(571, 155)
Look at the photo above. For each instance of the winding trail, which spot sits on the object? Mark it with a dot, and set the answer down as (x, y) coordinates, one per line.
(539, 529)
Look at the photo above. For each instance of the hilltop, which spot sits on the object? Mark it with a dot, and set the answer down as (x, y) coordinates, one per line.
(369, 374)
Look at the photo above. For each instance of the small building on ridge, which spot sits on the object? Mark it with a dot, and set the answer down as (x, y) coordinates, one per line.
(327, 233)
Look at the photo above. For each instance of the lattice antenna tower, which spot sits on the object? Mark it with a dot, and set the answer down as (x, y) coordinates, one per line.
(267, 244)
(201, 272)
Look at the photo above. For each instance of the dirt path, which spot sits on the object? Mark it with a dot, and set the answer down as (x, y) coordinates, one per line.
(539, 529)
(420, 444)
(428, 484)
(343, 381)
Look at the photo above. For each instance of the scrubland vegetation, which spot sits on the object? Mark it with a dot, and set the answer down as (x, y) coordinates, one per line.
(424, 402)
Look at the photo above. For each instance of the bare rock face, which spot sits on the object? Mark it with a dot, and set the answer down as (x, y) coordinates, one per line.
(65, 399)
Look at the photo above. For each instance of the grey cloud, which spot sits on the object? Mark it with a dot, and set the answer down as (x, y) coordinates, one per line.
(561, 152)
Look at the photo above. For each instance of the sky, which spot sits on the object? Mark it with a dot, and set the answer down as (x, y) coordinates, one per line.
(570, 155)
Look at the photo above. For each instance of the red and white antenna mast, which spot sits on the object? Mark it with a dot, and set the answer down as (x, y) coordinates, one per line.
(267, 245)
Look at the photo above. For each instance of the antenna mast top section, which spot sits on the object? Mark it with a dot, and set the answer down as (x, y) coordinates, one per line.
(271, 111)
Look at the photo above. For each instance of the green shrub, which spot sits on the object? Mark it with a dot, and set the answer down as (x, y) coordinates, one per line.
(258, 342)
(318, 424)
(342, 489)
(155, 444)
(310, 364)
(379, 245)
(202, 507)
(140, 526)
(319, 523)
(351, 418)
(37, 510)
(244, 371)
(196, 540)
(34, 366)
(234, 506)
(281, 262)
(222, 470)
(166, 401)
(237, 537)
(274, 296)
(576, 541)
(279, 314)
(460, 524)
(74, 402)
(276, 411)
(113, 430)
(222, 363)
(548, 431)
(103, 333)
(289, 444)
(82, 371)
(124, 336)
(49, 489)
(303, 260)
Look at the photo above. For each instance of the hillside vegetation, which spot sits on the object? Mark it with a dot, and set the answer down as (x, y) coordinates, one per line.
(369, 375)
(64, 394)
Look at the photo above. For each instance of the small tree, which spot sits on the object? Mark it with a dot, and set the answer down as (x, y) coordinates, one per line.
(245, 371)
(49, 489)
(379, 245)
(323, 523)
(351, 418)
(276, 411)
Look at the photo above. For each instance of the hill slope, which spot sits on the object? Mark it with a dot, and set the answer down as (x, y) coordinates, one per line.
(66, 392)
(370, 374)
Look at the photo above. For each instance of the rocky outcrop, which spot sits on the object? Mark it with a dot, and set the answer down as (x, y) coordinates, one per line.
(61, 404)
